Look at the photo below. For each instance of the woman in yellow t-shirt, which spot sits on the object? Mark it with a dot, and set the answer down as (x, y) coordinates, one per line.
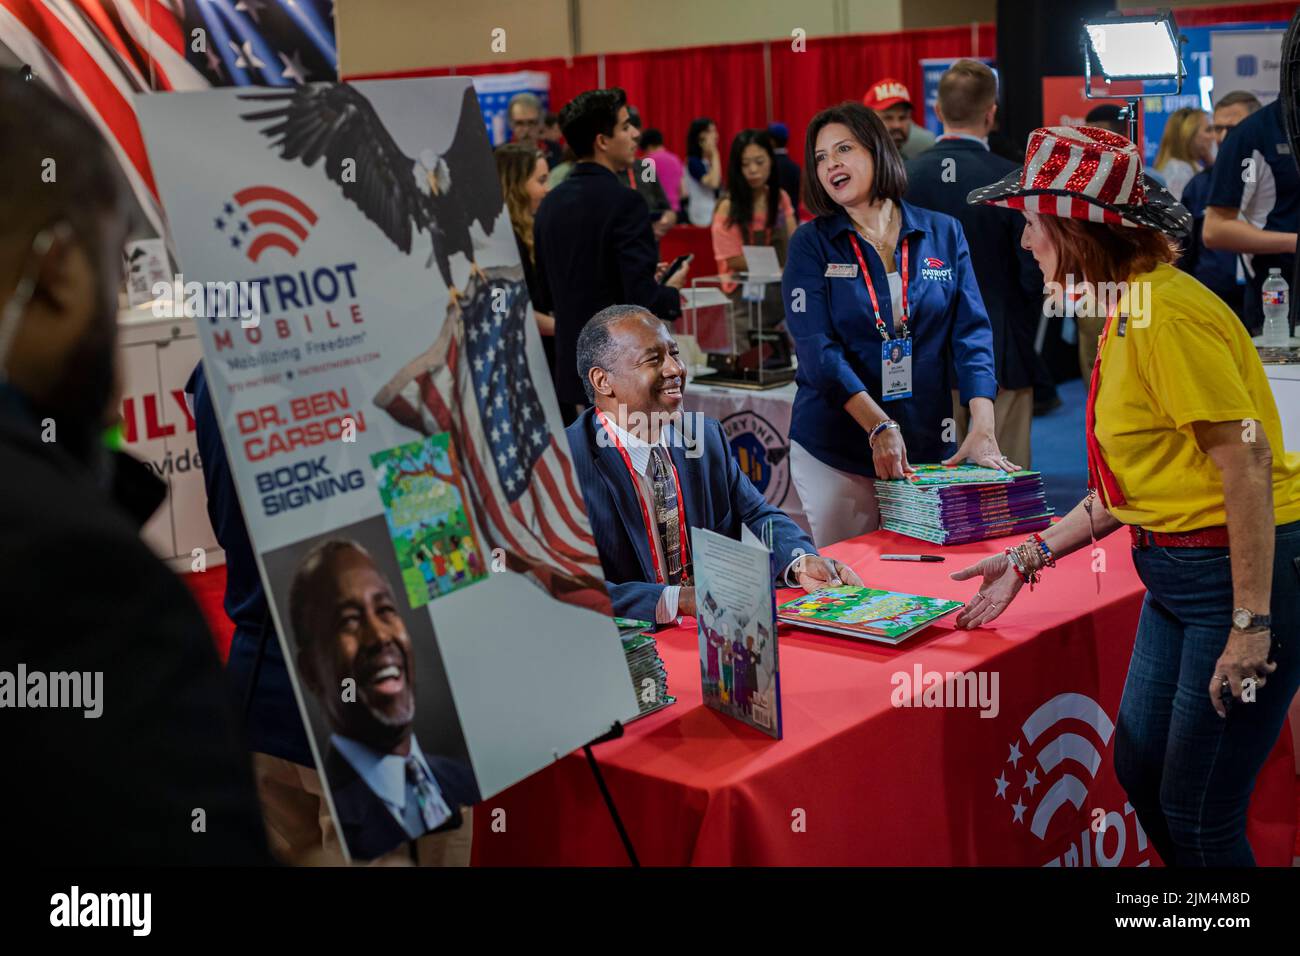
(1185, 447)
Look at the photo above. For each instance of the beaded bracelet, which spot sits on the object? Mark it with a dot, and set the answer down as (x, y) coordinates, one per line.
(887, 424)
(1042, 546)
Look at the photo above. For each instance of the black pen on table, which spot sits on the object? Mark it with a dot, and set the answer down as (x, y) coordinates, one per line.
(911, 557)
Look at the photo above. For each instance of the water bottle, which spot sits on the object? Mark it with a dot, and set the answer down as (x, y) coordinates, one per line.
(1277, 302)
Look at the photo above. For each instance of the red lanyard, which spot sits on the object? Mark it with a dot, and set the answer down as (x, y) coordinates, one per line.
(1100, 477)
(871, 289)
(651, 529)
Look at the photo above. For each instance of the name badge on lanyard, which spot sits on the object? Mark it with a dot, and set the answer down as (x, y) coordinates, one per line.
(896, 352)
(896, 368)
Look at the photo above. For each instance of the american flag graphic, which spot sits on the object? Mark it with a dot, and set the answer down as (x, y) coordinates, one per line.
(98, 54)
(475, 382)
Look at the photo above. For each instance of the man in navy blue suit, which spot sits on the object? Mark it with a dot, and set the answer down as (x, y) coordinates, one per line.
(386, 789)
(647, 478)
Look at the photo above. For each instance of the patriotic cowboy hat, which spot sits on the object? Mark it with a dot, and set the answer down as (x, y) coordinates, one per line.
(1086, 173)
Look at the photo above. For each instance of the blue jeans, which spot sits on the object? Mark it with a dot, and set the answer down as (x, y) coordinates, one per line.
(1188, 772)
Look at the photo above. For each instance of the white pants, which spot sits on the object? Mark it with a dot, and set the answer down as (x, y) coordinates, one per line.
(838, 504)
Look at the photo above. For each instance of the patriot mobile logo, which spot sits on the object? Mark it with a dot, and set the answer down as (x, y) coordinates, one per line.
(299, 306)
(1058, 753)
(265, 217)
(935, 269)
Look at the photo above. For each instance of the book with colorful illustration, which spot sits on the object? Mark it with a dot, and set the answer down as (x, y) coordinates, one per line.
(888, 617)
(422, 490)
(735, 614)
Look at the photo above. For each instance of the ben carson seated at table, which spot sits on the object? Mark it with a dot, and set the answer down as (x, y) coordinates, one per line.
(386, 789)
(635, 456)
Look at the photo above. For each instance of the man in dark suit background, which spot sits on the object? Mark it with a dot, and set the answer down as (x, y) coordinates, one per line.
(593, 241)
(356, 657)
(1009, 280)
(787, 170)
(635, 381)
(158, 775)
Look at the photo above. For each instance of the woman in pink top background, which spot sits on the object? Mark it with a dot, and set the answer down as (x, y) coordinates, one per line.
(668, 166)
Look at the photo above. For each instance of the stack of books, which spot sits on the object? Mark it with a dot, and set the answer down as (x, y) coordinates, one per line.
(645, 666)
(961, 503)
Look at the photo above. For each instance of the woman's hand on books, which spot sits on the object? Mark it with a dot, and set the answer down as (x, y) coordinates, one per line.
(1000, 586)
(889, 454)
(981, 448)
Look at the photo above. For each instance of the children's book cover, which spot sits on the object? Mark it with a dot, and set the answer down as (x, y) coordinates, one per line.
(887, 616)
(736, 618)
(422, 490)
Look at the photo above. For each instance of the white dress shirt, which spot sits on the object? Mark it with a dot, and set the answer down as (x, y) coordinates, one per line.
(385, 774)
(638, 452)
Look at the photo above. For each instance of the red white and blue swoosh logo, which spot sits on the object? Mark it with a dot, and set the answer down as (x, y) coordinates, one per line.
(935, 270)
(264, 217)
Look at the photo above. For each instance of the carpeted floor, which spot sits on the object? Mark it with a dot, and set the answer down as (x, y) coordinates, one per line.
(1059, 451)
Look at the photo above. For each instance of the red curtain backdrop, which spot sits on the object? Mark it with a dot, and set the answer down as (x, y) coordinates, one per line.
(673, 87)
(833, 69)
(725, 82)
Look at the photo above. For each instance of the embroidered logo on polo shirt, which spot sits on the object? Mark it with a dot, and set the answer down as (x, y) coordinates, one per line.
(841, 270)
(935, 269)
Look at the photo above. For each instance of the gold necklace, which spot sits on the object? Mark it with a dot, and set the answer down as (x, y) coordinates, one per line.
(882, 244)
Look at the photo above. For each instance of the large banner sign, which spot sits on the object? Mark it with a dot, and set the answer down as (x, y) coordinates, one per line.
(394, 439)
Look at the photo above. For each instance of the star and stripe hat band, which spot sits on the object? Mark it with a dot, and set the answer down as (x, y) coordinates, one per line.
(1083, 172)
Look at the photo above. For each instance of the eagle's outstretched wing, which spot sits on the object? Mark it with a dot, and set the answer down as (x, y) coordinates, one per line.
(473, 175)
(336, 122)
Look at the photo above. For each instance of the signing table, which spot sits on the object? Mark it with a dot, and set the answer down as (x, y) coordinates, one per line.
(862, 778)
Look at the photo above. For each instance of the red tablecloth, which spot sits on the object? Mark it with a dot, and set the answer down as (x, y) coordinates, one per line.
(858, 780)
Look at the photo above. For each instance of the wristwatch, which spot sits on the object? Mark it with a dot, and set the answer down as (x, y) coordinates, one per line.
(1244, 619)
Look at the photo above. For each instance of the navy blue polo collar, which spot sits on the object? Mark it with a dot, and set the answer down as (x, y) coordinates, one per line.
(909, 222)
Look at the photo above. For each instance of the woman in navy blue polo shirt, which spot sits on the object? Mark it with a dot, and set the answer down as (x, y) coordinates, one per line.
(887, 320)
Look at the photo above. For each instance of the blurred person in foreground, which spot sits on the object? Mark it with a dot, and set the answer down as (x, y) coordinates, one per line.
(1185, 448)
(141, 764)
